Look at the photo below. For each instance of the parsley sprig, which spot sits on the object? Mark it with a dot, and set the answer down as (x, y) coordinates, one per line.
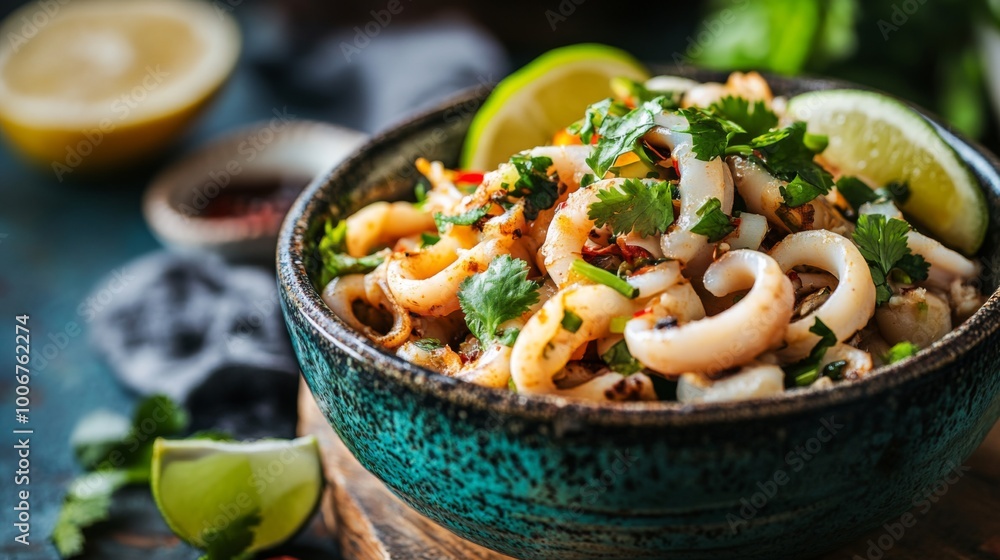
(645, 208)
(711, 134)
(883, 245)
(500, 293)
(754, 118)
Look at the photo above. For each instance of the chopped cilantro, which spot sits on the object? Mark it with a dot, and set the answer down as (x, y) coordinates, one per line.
(464, 219)
(646, 209)
(855, 191)
(534, 184)
(420, 192)
(428, 344)
(710, 134)
(755, 119)
(595, 115)
(601, 276)
(620, 360)
(900, 351)
(571, 321)
(511, 385)
(333, 254)
(883, 245)
(620, 135)
(806, 371)
(897, 191)
(498, 294)
(798, 192)
(586, 180)
(714, 223)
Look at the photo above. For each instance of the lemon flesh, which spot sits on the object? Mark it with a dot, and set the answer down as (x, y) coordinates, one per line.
(546, 95)
(883, 140)
(106, 81)
(202, 486)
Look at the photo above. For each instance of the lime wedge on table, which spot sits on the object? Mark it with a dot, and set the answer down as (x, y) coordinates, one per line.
(548, 94)
(882, 140)
(207, 489)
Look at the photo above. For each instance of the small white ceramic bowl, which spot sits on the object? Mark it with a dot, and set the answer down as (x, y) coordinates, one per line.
(230, 196)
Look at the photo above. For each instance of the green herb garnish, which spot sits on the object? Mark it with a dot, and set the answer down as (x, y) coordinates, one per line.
(883, 245)
(634, 206)
(620, 360)
(500, 293)
(714, 223)
(601, 276)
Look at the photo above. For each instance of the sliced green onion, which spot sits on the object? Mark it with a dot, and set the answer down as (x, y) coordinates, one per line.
(571, 321)
(618, 324)
(601, 276)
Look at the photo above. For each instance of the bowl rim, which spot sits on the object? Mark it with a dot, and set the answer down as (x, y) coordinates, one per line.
(304, 299)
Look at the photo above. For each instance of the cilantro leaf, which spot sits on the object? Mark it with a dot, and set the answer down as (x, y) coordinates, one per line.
(714, 223)
(755, 119)
(798, 192)
(498, 294)
(333, 255)
(883, 245)
(807, 370)
(534, 184)
(620, 135)
(466, 218)
(647, 209)
(75, 515)
(900, 351)
(711, 134)
(427, 239)
(855, 191)
(231, 541)
(595, 115)
(620, 360)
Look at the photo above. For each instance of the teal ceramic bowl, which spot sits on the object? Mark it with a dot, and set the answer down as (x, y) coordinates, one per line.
(543, 477)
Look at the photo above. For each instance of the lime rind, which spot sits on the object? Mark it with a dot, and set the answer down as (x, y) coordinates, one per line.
(945, 200)
(543, 70)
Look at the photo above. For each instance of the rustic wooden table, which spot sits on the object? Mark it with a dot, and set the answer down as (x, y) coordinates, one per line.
(370, 523)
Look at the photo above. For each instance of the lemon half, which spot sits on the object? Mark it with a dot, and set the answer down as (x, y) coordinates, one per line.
(96, 83)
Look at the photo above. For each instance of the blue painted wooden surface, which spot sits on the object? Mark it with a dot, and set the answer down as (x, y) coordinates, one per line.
(59, 241)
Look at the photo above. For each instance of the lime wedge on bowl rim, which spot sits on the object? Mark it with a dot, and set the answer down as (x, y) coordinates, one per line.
(878, 138)
(202, 487)
(546, 95)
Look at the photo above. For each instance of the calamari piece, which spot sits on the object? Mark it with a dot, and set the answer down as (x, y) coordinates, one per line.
(700, 182)
(342, 293)
(735, 336)
(382, 223)
(753, 381)
(916, 315)
(849, 307)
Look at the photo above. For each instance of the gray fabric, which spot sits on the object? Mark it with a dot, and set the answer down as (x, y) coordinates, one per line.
(181, 317)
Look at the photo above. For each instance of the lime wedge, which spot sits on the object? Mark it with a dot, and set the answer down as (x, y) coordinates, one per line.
(883, 140)
(206, 490)
(548, 94)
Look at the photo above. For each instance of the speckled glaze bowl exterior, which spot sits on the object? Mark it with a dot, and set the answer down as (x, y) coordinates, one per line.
(543, 477)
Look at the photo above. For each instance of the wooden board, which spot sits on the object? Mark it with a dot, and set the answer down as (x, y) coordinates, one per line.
(370, 523)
